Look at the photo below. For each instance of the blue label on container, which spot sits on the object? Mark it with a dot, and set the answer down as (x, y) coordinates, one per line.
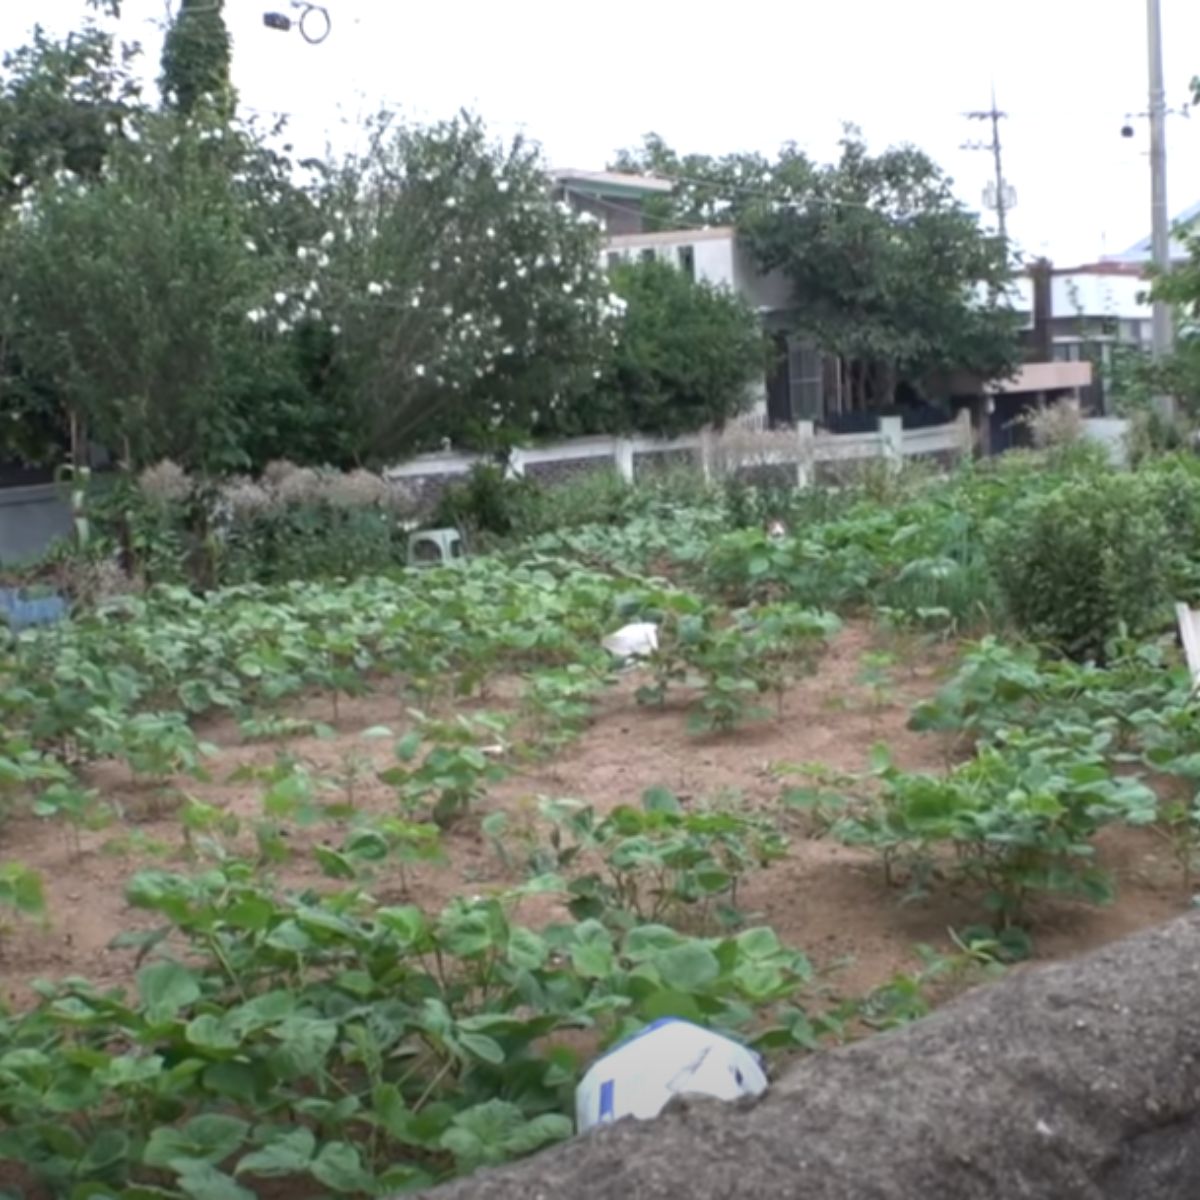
(608, 1092)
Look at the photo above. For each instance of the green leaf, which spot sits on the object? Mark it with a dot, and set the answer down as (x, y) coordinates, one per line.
(305, 1043)
(209, 1138)
(593, 960)
(109, 1148)
(286, 1154)
(497, 1131)
(482, 1047)
(202, 1181)
(165, 988)
(759, 942)
(207, 1032)
(333, 864)
(340, 1169)
(688, 968)
(408, 745)
(661, 800)
(527, 949)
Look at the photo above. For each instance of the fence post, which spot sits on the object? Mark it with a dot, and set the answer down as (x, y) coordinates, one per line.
(891, 435)
(706, 453)
(966, 432)
(806, 438)
(623, 458)
(516, 463)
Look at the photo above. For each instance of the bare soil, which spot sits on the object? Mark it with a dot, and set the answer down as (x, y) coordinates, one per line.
(827, 899)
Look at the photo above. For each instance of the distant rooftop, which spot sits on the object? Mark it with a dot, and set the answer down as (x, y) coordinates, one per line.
(611, 183)
(1141, 252)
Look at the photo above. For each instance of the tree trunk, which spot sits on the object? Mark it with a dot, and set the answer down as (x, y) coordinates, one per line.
(1078, 1081)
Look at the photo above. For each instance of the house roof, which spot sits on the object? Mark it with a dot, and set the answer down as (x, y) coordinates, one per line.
(1143, 250)
(1106, 266)
(611, 183)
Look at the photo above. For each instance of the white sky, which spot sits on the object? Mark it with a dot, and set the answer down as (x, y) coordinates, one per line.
(586, 79)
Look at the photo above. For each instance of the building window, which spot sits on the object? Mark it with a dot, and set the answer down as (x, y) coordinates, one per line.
(806, 378)
(614, 259)
(687, 260)
(648, 255)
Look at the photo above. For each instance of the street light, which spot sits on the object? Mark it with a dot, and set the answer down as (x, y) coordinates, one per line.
(314, 21)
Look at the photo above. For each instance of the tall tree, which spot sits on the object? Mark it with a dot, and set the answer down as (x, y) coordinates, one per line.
(196, 59)
(129, 296)
(468, 304)
(888, 270)
(709, 190)
(62, 104)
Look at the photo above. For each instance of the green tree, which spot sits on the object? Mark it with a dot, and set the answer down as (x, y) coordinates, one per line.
(465, 302)
(709, 190)
(888, 270)
(128, 296)
(196, 58)
(685, 357)
(62, 104)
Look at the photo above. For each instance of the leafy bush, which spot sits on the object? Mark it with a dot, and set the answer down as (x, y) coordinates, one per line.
(658, 861)
(1017, 819)
(489, 502)
(684, 356)
(1082, 563)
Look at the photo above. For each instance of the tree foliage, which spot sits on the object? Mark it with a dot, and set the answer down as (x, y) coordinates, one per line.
(466, 303)
(129, 293)
(196, 59)
(62, 104)
(685, 356)
(888, 270)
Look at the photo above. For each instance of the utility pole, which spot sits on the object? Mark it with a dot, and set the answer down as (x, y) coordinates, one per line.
(1005, 197)
(1160, 222)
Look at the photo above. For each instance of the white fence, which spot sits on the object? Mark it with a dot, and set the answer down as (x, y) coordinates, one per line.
(734, 449)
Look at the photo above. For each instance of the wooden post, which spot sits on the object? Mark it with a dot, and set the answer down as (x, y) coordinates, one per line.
(706, 453)
(806, 438)
(891, 433)
(966, 434)
(623, 458)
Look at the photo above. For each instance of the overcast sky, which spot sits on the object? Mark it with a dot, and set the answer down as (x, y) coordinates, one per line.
(586, 79)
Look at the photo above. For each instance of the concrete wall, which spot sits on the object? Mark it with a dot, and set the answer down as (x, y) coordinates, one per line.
(1093, 295)
(30, 519)
(617, 217)
(773, 291)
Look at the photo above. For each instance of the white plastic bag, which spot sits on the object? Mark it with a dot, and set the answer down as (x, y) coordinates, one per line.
(639, 640)
(668, 1058)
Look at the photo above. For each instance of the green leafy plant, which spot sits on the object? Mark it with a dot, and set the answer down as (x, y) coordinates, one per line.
(442, 763)
(658, 860)
(1083, 563)
(334, 1042)
(1016, 820)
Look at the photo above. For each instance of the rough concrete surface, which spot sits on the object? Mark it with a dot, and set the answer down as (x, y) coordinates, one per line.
(1077, 1081)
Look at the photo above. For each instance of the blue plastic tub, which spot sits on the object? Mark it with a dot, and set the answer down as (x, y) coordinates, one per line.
(20, 613)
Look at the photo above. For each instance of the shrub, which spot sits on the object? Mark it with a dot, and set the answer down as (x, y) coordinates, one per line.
(1079, 563)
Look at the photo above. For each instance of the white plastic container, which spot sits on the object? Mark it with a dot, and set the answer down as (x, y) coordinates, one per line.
(668, 1058)
(639, 640)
